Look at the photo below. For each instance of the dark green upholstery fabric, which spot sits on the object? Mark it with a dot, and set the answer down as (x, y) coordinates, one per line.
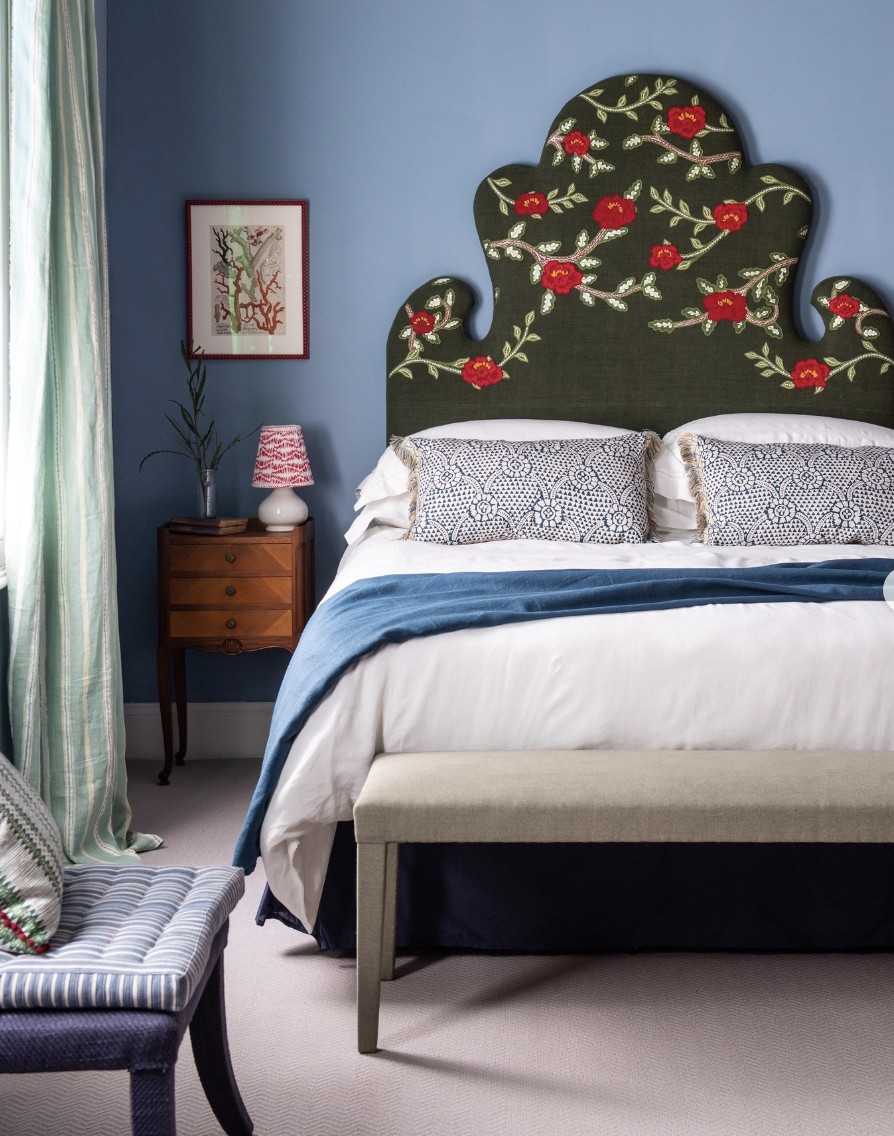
(643, 276)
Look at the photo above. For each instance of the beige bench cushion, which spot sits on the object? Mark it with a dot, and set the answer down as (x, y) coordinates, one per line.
(566, 796)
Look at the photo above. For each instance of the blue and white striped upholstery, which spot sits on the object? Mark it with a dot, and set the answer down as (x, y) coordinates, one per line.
(128, 938)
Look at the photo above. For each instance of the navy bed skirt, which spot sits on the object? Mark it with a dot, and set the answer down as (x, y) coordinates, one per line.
(621, 897)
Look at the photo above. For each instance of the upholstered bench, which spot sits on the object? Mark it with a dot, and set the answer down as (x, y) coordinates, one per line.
(137, 958)
(561, 796)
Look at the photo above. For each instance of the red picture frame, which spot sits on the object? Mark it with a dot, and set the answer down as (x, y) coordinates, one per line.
(247, 279)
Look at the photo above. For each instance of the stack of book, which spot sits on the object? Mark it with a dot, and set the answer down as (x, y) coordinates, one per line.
(208, 526)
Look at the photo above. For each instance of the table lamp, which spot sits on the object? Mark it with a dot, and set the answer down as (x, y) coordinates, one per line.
(281, 464)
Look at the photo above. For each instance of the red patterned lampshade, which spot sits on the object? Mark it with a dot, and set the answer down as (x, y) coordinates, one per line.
(282, 459)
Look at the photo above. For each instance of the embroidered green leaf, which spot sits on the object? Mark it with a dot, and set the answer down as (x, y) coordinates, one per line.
(774, 329)
(547, 303)
(521, 356)
(406, 333)
(651, 291)
(624, 287)
(664, 325)
(706, 171)
(504, 208)
(588, 298)
(589, 262)
(434, 302)
(529, 319)
(493, 253)
(566, 125)
(514, 254)
(722, 283)
(692, 313)
(432, 370)
(516, 231)
(870, 332)
(705, 286)
(734, 164)
(695, 148)
(852, 372)
(614, 302)
(693, 172)
(835, 323)
(501, 182)
(634, 191)
(631, 142)
(536, 272)
(449, 298)
(612, 234)
(788, 384)
(739, 327)
(708, 326)
(668, 158)
(840, 285)
(405, 371)
(550, 246)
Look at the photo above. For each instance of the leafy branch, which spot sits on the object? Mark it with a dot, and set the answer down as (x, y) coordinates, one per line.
(201, 445)
(648, 96)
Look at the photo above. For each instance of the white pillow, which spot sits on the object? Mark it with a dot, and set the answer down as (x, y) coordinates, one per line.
(383, 496)
(673, 504)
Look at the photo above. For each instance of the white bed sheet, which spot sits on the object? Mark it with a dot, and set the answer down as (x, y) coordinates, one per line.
(724, 676)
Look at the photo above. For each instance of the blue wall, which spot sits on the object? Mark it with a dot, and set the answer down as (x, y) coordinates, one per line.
(386, 117)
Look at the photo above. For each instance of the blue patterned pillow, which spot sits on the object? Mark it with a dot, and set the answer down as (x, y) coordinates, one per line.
(585, 490)
(790, 492)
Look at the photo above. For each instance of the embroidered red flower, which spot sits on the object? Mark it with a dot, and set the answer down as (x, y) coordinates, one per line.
(560, 276)
(730, 215)
(844, 305)
(727, 305)
(810, 373)
(686, 121)
(482, 371)
(614, 212)
(531, 203)
(665, 256)
(575, 142)
(422, 322)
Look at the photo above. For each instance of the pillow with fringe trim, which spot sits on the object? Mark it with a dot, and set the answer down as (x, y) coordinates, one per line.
(786, 493)
(31, 863)
(580, 490)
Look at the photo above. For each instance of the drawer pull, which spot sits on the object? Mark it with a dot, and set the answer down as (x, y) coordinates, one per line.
(230, 590)
(230, 558)
(231, 623)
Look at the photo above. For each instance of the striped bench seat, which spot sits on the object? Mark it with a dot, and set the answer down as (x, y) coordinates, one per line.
(137, 958)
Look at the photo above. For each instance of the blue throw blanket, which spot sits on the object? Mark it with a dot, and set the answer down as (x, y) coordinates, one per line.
(392, 609)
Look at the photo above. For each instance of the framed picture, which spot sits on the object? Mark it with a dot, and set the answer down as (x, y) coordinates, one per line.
(247, 279)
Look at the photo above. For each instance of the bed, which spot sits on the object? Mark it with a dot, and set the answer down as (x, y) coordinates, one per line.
(643, 282)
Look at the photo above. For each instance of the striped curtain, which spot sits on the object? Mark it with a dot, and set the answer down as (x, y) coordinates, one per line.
(65, 692)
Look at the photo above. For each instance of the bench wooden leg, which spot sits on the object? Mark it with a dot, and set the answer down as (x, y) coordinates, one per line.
(370, 920)
(389, 928)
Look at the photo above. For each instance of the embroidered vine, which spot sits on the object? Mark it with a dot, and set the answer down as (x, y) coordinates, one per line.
(533, 203)
(727, 216)
(559, 275)
(814, 374)
(720, 303)
(478, 371)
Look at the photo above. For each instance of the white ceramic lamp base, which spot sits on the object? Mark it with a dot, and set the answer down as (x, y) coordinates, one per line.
(281, 510)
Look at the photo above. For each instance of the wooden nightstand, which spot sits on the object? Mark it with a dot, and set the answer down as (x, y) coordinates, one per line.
(228, 594)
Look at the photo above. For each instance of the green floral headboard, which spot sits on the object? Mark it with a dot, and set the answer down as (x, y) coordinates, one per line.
(643, 276)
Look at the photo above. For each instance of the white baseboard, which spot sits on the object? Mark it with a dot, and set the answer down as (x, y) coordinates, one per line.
(216, 729)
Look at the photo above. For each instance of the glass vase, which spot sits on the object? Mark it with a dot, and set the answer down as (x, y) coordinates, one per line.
(207, 493)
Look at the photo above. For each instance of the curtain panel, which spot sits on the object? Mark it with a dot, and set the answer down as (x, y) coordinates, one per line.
(66, 703)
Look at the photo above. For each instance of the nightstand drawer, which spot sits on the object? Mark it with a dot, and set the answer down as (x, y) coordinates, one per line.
(236, 558)
(252, 623)
(230, 591)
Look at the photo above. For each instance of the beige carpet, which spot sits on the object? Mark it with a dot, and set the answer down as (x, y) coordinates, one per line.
(664, 1045)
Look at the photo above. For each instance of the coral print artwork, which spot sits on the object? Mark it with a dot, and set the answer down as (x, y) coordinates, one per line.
(247, 293)
(247, 279)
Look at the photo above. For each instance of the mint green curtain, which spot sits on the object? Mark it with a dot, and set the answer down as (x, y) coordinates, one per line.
(65, 691)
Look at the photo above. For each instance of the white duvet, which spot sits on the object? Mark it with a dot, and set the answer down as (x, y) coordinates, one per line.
(724, 676)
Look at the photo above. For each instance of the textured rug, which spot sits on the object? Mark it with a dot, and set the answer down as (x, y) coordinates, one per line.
(619, 1045)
